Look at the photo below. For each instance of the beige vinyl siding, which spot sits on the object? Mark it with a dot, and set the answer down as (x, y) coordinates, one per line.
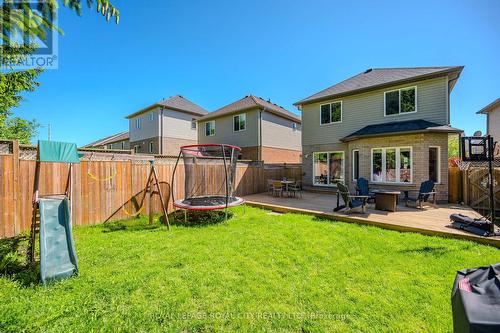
(278, 132)
(149, 128)
(494, 123)
(367, 108)
(224, 130)
(178, 125)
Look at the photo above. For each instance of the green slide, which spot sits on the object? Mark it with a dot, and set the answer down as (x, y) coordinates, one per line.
(57, 251)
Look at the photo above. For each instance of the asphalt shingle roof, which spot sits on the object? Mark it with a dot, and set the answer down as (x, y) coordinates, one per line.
(419, 125)
(177, 103)
(249, 102)
(109, 139)
(489, 107)
(378, 77)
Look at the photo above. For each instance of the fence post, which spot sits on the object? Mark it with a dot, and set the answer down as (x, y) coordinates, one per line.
(15, 183)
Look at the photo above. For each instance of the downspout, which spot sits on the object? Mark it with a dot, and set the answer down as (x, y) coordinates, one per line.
(161, 131)
(259, 151)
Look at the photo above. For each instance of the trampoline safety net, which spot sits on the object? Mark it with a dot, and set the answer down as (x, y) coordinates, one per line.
(209, 177)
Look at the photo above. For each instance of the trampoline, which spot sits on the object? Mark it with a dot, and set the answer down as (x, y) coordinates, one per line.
(209, 177)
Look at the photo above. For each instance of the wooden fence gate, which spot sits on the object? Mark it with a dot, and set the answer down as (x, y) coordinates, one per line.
(476, 191)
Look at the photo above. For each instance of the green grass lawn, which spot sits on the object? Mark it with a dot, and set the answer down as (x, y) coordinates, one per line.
(256, 272)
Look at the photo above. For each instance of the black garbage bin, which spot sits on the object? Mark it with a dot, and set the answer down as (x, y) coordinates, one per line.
(475, 300)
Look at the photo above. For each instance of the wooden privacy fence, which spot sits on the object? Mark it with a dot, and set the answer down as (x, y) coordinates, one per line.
(476, 192)
(107, 189)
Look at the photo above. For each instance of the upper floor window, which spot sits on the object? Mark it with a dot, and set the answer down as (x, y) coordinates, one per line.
(331, 113)
(240, 122)
(151, 116)
(400, 101)
(210, 128)
(138, 123)
(193, 123)
(294, 126)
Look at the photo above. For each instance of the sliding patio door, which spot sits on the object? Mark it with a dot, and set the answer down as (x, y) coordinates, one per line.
(328, 168)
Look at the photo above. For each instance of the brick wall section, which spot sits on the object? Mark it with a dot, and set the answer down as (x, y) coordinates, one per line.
(420, 144)
(250, 153)
(279, 155)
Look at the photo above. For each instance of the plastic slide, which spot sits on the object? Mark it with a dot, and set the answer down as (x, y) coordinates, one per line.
(57, 251)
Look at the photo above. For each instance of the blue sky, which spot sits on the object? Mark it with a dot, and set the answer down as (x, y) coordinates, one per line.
(215, 52)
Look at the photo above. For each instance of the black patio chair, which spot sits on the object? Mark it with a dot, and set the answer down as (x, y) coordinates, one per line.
(425, 192)
(362, 188)
(351, 201)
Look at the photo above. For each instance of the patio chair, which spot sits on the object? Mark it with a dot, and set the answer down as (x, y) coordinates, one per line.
(352, 201)
(362, 188)
(425, 192)
(277, 188)
(270, 186)
(296, 188)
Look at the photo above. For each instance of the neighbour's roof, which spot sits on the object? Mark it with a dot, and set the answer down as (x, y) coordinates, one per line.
(249, 102)
(109, 139)
(400, 127)
(177, 103)
(379, 77)
(489, 107)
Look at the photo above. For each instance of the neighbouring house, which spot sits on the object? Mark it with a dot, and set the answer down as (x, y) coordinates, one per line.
(163, 127)
(388, 125)
(118, 141)
(265, 131)
(492, 112)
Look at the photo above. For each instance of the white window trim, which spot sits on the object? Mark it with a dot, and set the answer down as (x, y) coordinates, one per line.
(123, 145)
(398, 163)
(151, 116)
(138, 123)
(353, 151)
(151, 147)
(239, 115)
(193, 124)
(328, 169)
(400, 113)
(205, 127)
(136, 148)
(294, 126)
(438, 162)
(332, 122)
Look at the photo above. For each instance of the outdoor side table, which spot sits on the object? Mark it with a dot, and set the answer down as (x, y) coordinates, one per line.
(386, 200)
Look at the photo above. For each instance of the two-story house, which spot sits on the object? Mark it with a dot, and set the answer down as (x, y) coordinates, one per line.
(118, 141)
(388, 125)
(163, 127)
(492, 112)
(265, 131)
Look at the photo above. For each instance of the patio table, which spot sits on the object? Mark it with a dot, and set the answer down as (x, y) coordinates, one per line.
(286, 183)
(386, 200)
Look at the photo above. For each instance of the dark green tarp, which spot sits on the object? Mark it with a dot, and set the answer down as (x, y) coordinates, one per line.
(61, 152)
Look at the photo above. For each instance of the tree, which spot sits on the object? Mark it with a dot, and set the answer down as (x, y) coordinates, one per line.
(19, 18)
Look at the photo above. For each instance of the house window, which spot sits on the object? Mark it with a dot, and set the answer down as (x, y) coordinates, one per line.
(137, 149)
(138, 123)
(434, 164)
(355, 164)
(123, 145)
(110, 146)
(331, 113)
(400, 101)
(210, 128)
(151, 146)
(151, 116)
(294, 126)
(240, 122)
(392, 165)
(328, 168)
(193, 123)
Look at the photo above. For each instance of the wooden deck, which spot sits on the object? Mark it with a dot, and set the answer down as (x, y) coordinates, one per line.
(429, 221)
